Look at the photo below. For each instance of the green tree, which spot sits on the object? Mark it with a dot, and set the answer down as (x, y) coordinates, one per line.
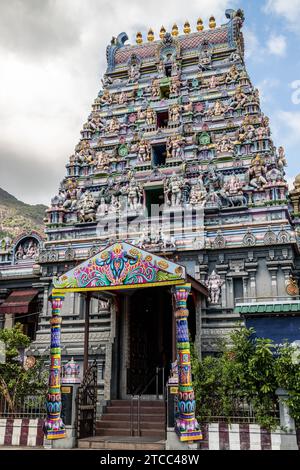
(17, 381)
(247, 370)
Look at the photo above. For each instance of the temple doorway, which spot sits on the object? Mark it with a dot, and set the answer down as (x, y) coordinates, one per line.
(147, 341)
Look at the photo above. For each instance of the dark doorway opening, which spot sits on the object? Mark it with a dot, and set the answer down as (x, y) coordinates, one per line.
(154, 201)
(151, 331)
(159, 154)
(162, 119)
(168, 69)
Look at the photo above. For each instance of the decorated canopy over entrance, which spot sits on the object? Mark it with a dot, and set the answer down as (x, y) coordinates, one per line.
(120, 266)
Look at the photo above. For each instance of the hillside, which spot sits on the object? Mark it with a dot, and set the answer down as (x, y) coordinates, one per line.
(17, 217)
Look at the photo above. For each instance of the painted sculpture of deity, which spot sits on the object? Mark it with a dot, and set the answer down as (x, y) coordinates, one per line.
(87, 207)
(143, 151)
(174, 113)
(105, 98)
(239, 99)
(114, 125)
(257, 173)
(174, 86)
(102, 160)
(174, 146)
(133, 72)
(155, 89)
(225, 144)
(150, 117)
(281, 159)
(217, 110)
(205, 58)
(232, 76)
(173, 190)
(135, 194)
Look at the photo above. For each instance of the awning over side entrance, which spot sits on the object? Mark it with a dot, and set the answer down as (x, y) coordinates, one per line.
(18, 301)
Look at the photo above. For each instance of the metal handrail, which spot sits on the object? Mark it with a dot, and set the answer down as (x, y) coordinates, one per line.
(137, 396)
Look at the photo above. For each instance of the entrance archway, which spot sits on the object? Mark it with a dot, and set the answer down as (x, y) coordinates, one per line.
(123, 267)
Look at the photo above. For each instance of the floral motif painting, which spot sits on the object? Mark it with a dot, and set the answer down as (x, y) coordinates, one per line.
(121, 264)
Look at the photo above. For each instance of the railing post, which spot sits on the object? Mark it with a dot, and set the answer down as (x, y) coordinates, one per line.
(54, 427)
(187, 426)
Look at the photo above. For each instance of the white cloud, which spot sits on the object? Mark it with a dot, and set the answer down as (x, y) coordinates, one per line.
(266, 89)
(252, 46)
(277, 45)
(288, 10)
(52, 56)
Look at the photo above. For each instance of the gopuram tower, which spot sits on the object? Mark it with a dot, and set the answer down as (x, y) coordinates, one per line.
(176, 157)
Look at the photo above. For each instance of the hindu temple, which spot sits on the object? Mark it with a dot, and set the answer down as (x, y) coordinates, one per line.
(174, 200)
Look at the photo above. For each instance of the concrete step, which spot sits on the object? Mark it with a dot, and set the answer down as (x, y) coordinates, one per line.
(126, 417)
(143, 403)
(126, 432)
(126, 410)
(126, 424)
(115, 443)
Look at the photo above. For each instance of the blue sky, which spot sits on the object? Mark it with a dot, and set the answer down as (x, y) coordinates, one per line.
(272, 34)
(52, 57)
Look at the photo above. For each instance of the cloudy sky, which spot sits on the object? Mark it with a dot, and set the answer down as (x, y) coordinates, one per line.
(52, 57)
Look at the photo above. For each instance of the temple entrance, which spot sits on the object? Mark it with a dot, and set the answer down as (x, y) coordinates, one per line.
(151, 343)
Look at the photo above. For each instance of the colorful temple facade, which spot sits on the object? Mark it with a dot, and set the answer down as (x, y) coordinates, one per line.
(175, 160)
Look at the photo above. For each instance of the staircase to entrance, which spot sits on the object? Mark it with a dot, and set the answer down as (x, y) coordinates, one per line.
(130, 424)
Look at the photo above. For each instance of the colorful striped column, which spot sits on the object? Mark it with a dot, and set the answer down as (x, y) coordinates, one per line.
(187, 426)
(54, 427)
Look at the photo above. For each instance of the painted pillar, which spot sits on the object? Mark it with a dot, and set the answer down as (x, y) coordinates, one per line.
(54, 428)
(187, 426)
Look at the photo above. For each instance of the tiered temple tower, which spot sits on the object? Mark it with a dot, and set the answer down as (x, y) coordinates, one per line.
(176, 157)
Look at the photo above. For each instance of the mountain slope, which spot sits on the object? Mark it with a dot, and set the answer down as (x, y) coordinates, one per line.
(17, 217)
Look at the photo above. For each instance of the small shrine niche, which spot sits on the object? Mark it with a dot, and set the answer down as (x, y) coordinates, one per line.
(27, 249)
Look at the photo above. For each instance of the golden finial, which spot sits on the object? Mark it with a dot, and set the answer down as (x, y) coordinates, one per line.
(200, 26)
(139, 38)
(175, 31)
(186, 28)
(150, 36)
(162, 32)
(212, 22)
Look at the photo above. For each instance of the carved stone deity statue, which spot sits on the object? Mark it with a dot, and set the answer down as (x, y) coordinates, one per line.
(281, 159)
(214, 284)
(174, 86)
(225, 144)
(239, 99)
(173, 190)
(143, 151)
(87, 207)
(217, 110)
(133, 72)
(205, 58)
(232, 76)
(174, 146)
(114, 125)
(155, 89)
(257, 173)
(134, 195)
(105, 98)
(174, 113)
(102, 160)
(150, 117)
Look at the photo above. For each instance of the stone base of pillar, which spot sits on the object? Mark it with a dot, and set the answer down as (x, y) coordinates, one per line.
(189, 436)
(69, 441)
(172, 442)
